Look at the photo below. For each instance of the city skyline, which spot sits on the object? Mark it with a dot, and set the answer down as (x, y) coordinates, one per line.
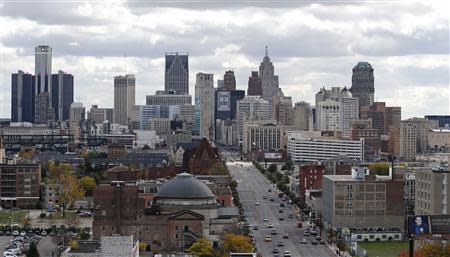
(410, 54)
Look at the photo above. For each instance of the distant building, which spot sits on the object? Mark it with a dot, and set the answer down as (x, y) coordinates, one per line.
(363, 86)
(62, 94)
(168, 99)
(108, 246)
(20, 185)
(362, 200)
(22, 97)
(160, 125)
(263, 135)
(372, 140)
(310, 146)
(77, 114)
(99, 115)
(204, 105)
(176, 76)
(124, 97)
(432, 191)
(310, 178)
(43, 113)
(439, 138)
(43, 69)
(141, 115)
(2, 151)
(382, 117)
(254, 84)
(403, 141)
(302, 116)
(269, 81)
(229, 80)
(444, 120)
(225, 103)
(423, 126)
(282, 110)
(251, 108)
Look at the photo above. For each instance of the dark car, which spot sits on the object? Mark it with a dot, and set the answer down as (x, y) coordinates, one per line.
(318, 238)
(281, 204)
(281, 218)
(275, 250)
(271, 199)
(270, 190)
(314, 243)
(280, 244)
(280, 210)
(290, 216)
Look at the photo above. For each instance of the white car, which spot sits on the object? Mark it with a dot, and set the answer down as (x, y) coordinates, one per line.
(257, 203)
(23, 233)
(15, 233)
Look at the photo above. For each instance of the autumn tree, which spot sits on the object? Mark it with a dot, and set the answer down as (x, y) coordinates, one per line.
(237, 244)
(88, 184)
(406, 254)
(379, 168)
(202, 248)
(434, 250)
(65, 185)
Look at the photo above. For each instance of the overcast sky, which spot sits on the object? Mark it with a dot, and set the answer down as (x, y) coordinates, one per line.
(312, 44)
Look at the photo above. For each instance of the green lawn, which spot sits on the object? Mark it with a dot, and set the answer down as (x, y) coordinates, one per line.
(58, 215)
(384, 249)
(17, 216)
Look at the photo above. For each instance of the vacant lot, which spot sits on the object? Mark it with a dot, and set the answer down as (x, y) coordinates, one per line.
(384, 249)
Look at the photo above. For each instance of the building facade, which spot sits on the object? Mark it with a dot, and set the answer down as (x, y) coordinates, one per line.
(432, 191)
(62, 94)
(229, 80)
(363, 86)
(204, 105)
(439, 138)
(176, 76)
(423, 126)
(22, 97)
(251, 108)
(124, 97)
(302, 116)
(254, 84)
(20, 185)
(269, 81)
(263, 135)
(312, 147)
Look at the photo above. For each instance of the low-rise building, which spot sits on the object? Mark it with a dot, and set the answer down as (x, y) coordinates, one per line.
(264, 135)
(310, 178)
(108, 246)
(362, 200)
(432, 191)
(439, 138)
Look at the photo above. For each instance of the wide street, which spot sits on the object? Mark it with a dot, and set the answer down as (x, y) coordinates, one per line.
(252, 188)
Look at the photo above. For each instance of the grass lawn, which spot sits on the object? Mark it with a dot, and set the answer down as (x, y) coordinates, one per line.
(5, 216)
(384, 249)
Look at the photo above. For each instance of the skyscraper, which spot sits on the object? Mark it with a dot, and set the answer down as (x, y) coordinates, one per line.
(229, 80)
(363, 83)
(77, 113)
(204, 105)
(302, 116)
(124, 98)
(176, 78)
(254, 84)
(62, 94)
(43, 68)
(251, 108)
(22, 97)
(269, 81)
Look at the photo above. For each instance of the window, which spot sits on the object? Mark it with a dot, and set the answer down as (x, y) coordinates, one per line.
(176, 228)
(396, 236)
(350, 195)
(371, 236)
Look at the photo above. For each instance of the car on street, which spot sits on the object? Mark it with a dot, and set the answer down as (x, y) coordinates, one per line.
(314, 243)
(23, 233)
(44, 233)
(257, 203)
(268, 239)
(287, 254)
(269, 190)
(313, 232)
(255, 228)
(318, 238)
(306, 233)
(280, 218)
(299, 225)
(271, 199)
(285, 236)
(280, 244)
(273, 232)
(290, 216)
(269, 225)
(275, 250)
(280, 211)
(265, 219)
(265, 197)
(303, 241)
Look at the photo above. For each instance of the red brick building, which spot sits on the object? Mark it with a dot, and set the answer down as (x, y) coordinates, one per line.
(20, 185)
(201, 159)
(310, 178)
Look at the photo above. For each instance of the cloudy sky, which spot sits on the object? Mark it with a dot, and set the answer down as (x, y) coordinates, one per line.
(312, 44)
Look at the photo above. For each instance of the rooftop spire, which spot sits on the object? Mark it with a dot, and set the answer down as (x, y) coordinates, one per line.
(267, 52)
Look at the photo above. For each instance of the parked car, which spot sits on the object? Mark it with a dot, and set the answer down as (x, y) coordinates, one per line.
(285, 236)
(268, 238)
(287, 254)
(15, 233)
(303, 241)
(44, 233)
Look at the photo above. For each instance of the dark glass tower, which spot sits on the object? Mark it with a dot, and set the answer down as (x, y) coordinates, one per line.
(22, 97)
(176, 79)
(363, 86)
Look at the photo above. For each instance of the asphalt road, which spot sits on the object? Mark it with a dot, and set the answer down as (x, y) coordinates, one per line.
(252, 187)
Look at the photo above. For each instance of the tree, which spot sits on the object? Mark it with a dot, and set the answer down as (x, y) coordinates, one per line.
(237, 244)
(66, 186)
(219, 169)
(142, 246)
(202, 248)
(379, 168)
(32, 251)
(406, 254)
(74, 244)
(88, 184)
(434, 250)
(272, 168)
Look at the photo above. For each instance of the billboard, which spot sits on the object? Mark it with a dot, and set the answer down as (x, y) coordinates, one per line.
(429, 226)
(223, 104)
(273, 156)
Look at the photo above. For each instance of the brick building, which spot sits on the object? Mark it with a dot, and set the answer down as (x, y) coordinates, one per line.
(310, 178)
(20, 185)
(201, 159)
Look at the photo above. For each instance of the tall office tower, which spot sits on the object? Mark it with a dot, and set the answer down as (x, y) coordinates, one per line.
(423, 127)
(141, 114)
(22, 97)
(77, 114)
(62, 94)
(269, 81)
(251, 108)
(229, 80)
(302, 116)
(220, 83)
(204, 105)
(402, 141)
(363, 86)
(254, 84)
(393, 117)
(124, 97)
(336, 109)
(176, 78)
(282, 110)
(42, 111)
(43, 69)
